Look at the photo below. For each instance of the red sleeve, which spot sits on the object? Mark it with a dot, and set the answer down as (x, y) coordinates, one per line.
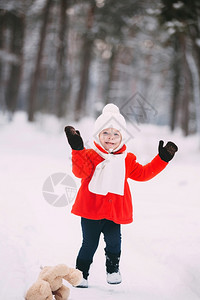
(139, 172)
(82, 166)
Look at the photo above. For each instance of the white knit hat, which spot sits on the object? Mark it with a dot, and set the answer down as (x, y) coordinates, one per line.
(110, 118)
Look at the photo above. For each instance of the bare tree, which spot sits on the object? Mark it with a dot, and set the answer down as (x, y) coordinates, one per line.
(85, 62)
(111, 73)
(176, 86)
(186, 90)
(13, 22)
(61, 60)
(2, 21)
(195, 83)
(36, 73)
(16, 68)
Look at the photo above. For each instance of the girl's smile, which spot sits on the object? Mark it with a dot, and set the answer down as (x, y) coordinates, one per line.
(110, 138)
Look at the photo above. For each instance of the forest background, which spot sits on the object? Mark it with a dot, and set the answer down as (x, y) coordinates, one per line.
(70, 58)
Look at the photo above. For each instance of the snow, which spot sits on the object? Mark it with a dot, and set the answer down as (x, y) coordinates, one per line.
(178, 4)
(160, 249)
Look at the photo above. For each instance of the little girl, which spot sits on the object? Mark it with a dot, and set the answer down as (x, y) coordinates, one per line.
(104, 200)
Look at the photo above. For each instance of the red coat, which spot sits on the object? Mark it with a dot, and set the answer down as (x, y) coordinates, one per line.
(111, 206)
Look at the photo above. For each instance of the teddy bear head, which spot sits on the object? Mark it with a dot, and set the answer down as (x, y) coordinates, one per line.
(40, 290)
(54, 276)
(49, 283)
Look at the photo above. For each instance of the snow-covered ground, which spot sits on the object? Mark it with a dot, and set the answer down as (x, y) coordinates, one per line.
(160, 250)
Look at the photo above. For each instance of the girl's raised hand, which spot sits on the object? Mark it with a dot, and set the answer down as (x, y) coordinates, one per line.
(167, 152)
(74, 138)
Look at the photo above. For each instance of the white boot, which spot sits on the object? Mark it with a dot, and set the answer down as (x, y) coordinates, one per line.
(83, 284)
(114, 278)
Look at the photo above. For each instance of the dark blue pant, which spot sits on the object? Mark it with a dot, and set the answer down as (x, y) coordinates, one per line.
(92, 230)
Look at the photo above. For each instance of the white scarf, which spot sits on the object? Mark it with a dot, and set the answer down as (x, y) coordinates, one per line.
(109, 175)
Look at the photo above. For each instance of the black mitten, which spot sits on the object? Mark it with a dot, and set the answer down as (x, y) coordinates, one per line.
(74, 138)
(167, 153)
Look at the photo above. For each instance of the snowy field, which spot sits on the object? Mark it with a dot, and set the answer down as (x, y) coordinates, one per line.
(160, 249)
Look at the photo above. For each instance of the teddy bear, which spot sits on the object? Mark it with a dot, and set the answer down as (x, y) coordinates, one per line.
(49, 283)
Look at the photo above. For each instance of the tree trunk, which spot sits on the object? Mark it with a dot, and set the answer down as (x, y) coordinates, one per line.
(36, 73)
(185, 114)
(195, 84)
(2, 21)
(176, 87)
(17, 41)
(61, 61)
(85, 64)
(111, 74)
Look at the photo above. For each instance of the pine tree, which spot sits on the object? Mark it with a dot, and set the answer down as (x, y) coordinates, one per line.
(181, 19)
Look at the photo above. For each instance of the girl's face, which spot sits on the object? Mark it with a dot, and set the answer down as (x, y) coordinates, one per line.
(110, 138)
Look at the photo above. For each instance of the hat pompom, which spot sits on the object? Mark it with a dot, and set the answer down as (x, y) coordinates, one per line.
(111, 108)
